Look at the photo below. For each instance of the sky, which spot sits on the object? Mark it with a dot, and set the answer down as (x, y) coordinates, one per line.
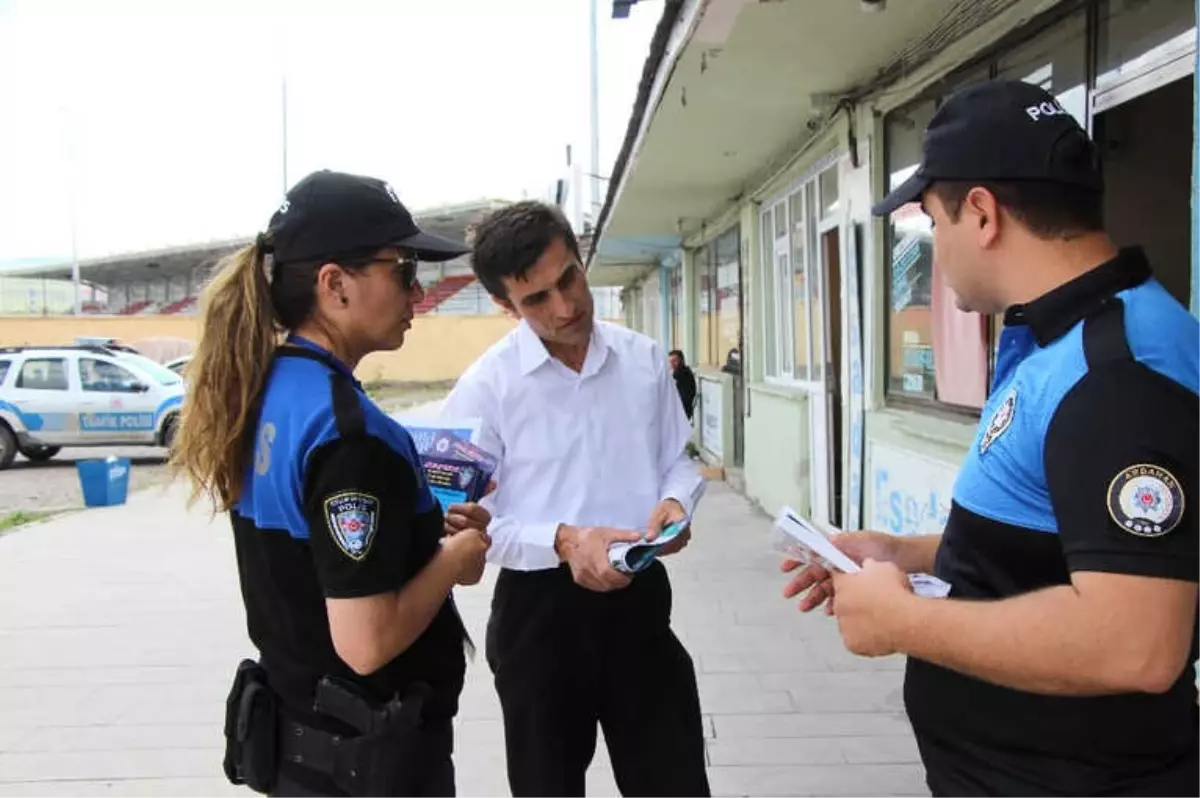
(160, 122)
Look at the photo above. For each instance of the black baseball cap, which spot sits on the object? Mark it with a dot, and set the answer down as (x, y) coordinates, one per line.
(330, 214)
(998, 131)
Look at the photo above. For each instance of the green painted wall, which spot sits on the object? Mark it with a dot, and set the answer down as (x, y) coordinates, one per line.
(777, 444)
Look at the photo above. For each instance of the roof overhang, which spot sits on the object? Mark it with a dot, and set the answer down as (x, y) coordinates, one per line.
(746, 84)
(450, 221)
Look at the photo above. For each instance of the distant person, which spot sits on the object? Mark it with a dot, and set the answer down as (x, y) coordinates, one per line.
(1062, 661)
(685, 382)
(346, 562)
(733, 362)
(593, 452)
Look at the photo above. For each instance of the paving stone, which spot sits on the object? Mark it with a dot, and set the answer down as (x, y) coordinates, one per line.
(120, 629)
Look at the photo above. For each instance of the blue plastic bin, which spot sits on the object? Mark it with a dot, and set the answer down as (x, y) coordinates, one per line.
(104, 482)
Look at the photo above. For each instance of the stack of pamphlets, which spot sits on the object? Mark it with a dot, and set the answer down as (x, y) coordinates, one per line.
(629, 558)
(799, 540)
(456, 469)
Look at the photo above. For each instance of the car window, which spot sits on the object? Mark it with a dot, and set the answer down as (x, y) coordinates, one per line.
(43, 374)
(161, 374)
(103, 375)
(4, 364)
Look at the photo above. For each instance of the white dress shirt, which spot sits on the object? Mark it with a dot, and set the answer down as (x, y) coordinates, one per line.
(600, 447)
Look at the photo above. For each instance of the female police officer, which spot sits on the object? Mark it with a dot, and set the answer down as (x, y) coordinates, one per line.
(346, 562)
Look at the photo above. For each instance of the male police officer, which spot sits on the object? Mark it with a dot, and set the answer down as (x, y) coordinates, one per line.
(1062, 661)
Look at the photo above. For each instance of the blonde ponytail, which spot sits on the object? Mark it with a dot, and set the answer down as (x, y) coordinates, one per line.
(238, 336)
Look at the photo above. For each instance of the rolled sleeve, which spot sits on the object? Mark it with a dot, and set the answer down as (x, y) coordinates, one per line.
(1121, 459)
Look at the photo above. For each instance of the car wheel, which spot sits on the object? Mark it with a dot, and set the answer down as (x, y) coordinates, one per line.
(8, 446)
(39, 454)
(168, 436)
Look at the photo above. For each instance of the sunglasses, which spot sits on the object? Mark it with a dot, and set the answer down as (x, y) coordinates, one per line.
(405, 270)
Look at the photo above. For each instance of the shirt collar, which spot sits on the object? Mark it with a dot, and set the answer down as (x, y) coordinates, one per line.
(532, 351)
(323, 354)
(1052, 315)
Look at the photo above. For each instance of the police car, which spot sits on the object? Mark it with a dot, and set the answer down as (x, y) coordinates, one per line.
(83, 395)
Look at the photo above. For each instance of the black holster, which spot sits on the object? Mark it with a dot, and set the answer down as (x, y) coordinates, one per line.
(252, 730)
(391, 753)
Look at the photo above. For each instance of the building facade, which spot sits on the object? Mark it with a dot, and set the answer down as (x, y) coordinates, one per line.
(738, 221)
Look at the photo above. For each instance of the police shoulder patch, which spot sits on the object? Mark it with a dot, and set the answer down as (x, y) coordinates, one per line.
(353, 520)
(1146, 500)
(1000, 422)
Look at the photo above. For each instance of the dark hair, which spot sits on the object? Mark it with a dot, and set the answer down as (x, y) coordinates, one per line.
(679, 354)
(242, 314)
(1049, 210)
(293, 286)
(509, 241)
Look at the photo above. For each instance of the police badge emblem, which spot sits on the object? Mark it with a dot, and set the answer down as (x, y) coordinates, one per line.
(1146, 500)
(353, 520)
(1001, 421)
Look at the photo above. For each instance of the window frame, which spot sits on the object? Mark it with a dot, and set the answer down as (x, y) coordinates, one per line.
(83, 385)
(990, 60)
(812, 226)
(17, 383)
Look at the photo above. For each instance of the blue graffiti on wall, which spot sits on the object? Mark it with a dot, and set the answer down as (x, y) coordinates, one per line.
(902, 512)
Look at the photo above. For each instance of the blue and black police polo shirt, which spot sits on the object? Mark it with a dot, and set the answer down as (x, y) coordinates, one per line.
(1086, 459)
(334, 505)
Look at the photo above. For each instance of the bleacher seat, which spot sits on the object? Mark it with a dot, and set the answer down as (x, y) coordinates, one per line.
(179, 305)
(442, 290)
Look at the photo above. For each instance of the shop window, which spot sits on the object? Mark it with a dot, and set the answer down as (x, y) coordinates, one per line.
(718, 266)
(675, 297)
(729, 295)
(1136, 37)
(707, 279)
(766, 256)
(652, 299)
(935, 351)
(795, 320)
(1056, 61)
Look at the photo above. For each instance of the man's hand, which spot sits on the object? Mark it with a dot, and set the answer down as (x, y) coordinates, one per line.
(460, 517)
(585, 550)
(469, 549)
(858, 546)
(868, 605)
(665, 513)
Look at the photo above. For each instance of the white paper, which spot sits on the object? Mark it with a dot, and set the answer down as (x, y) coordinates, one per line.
(929, 586)
(812, 539)
(805, 542)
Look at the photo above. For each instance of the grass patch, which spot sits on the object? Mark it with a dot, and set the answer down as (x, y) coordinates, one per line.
(20, 518)
(398, 395)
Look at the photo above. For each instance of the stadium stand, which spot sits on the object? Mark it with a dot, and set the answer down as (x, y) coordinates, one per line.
(169, 281)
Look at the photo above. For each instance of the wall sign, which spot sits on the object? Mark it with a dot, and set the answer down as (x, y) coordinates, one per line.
(911, 492)
(711, 396)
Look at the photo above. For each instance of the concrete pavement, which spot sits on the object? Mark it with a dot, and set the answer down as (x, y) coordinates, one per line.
(120, 628)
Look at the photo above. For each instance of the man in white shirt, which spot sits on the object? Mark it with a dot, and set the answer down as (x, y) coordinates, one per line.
(592, 439)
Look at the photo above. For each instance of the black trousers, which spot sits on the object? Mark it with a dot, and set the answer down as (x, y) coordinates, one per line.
(566, 658)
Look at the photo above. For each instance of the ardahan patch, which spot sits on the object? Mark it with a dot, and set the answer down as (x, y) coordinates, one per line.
(353, 520)
(1000, 422)
(1146, 500)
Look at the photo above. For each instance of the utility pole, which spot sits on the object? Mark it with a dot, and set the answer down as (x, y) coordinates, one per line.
(284, 98)
(73, 207)
(595, 109)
